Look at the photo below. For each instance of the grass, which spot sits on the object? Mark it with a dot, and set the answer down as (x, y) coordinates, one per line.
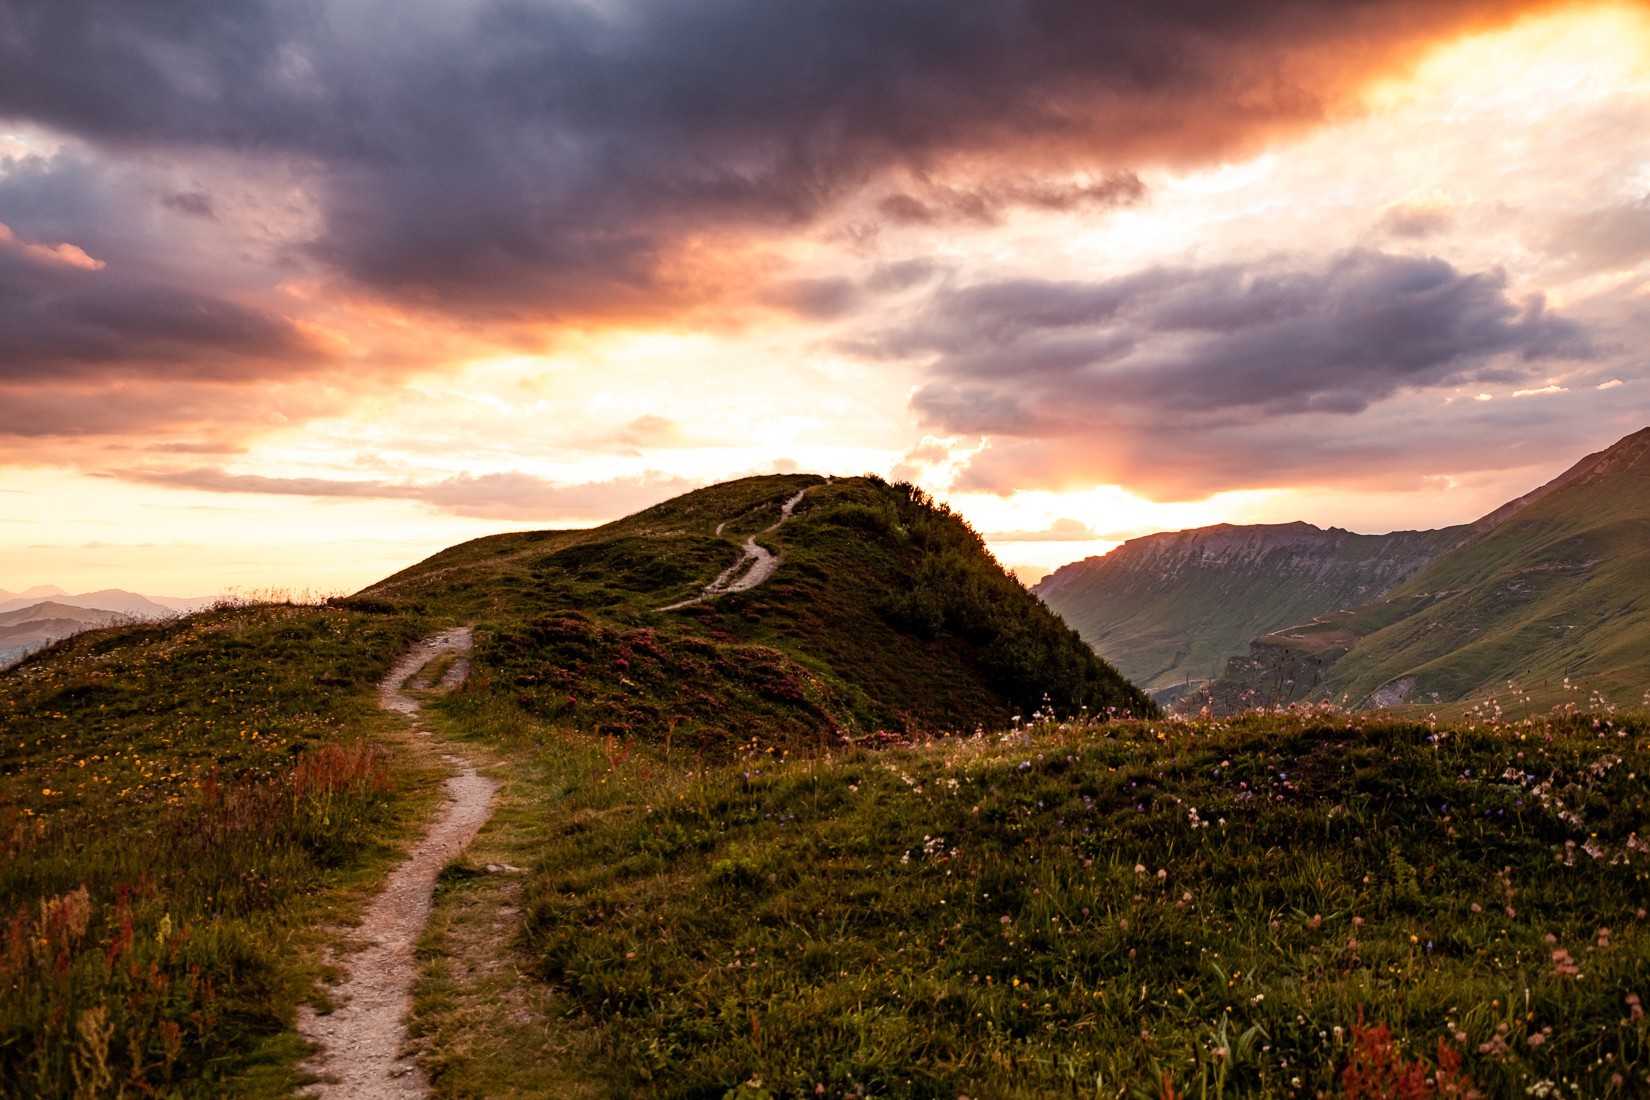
(1073, 909)
(888, 614)
(182, 804)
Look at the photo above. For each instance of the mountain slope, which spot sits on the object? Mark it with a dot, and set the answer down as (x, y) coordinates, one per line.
(1174, 606)
(1558, 590)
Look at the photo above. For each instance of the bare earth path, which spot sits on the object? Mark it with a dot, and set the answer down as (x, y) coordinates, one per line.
(362, 1041)
(756, 566)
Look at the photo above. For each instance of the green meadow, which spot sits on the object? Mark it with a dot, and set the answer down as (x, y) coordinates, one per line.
(1291, 904)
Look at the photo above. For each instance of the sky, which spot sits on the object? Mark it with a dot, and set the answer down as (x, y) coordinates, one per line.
(294, 294)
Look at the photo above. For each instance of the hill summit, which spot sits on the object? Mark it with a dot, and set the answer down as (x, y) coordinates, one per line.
(791, 605)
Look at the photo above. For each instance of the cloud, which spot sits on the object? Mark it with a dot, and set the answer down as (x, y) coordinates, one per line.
(816, 299)
(1061, 530)
(1610, 238)
(111, 301)
(66, 317)
(986, 202)
(73, 422)
(196, 204)
(71, 254)
(1418, 218)
(514, 496)
(1175, 379)
(549, 158)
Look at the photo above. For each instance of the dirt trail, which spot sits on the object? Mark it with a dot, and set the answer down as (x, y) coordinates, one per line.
(361, 1056)
(755, 566)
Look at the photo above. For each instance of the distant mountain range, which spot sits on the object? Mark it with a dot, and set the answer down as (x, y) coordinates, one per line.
(33, 619)
(1554, 584)
(108, 599)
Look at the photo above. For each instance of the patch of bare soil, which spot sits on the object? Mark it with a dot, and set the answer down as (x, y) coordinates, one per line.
(363, 1052)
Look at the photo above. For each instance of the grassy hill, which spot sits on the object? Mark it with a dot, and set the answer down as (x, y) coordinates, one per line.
(182, 804)
(887, 614)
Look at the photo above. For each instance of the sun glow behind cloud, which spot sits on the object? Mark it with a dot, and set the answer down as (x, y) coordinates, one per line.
(1495, 153)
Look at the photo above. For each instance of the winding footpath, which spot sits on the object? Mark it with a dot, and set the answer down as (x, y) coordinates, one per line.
(756, 565)
(362, 1041)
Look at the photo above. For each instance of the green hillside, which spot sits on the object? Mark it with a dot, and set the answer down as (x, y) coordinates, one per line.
(886, 614)
(184, 806)
(1169, 609)
(1561, 590)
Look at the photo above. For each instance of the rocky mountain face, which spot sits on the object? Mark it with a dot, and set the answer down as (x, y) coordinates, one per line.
(1169, 609)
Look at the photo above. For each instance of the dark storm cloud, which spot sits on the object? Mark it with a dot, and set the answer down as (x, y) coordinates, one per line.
(61, 317)
(1028, 358)
(493, 496)
(553, 157)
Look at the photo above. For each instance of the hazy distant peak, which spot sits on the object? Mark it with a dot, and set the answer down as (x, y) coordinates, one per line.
(117, 600)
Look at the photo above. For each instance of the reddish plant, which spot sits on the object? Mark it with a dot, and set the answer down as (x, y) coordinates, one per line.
(1378, 1070)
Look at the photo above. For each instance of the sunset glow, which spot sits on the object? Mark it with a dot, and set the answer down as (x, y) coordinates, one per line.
(272, 349)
